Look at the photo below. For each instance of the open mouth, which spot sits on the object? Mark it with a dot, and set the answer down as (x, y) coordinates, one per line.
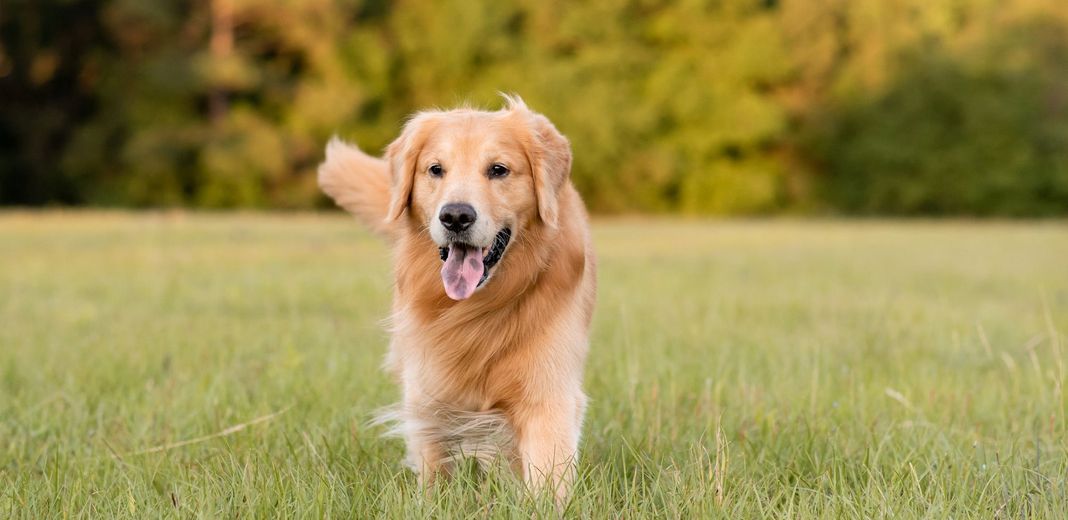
(466, 267)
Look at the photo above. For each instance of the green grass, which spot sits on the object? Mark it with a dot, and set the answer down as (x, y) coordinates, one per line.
(855, 369)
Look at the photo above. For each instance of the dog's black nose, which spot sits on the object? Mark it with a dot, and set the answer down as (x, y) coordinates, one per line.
(457, 216)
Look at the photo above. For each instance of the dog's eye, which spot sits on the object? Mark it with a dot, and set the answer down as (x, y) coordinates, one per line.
(435, 170)
(498, 170)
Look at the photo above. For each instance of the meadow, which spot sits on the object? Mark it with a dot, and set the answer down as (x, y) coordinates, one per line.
(181, 365)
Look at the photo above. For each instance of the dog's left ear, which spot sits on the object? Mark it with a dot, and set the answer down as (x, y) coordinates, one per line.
(550, 159)
(402, 154)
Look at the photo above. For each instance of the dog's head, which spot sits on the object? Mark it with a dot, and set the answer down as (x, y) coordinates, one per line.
(476, 180)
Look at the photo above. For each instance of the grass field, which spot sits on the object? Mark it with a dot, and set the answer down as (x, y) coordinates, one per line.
(226, 366)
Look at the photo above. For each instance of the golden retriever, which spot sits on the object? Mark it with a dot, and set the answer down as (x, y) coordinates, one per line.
(494, 286)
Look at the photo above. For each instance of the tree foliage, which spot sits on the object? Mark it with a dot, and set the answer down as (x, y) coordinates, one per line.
(724, 107)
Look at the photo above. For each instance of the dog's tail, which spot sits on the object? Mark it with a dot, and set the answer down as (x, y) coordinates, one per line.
(357, 182)
(485, 436)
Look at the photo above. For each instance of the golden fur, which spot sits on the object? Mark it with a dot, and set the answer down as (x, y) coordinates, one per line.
(499, 373)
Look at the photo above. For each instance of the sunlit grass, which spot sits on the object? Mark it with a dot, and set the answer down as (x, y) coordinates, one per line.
(855, 369)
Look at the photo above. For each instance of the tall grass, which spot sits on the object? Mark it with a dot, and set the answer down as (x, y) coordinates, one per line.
(185, 365)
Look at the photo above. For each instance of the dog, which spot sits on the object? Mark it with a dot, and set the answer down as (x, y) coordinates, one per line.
(495, 286)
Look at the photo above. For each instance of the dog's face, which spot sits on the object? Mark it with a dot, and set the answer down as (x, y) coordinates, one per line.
(476, 180)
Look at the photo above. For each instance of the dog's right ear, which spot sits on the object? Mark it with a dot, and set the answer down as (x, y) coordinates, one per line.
(402, 155)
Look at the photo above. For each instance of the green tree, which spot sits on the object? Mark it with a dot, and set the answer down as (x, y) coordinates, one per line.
(698, 106)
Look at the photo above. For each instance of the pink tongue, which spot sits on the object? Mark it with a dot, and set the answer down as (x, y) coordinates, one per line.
(462, 271)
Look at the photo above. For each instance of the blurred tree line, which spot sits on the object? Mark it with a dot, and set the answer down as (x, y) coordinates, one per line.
(725, 107)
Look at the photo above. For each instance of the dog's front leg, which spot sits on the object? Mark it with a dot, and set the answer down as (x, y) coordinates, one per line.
(428, 458)
(423, 438)
(548, 435)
